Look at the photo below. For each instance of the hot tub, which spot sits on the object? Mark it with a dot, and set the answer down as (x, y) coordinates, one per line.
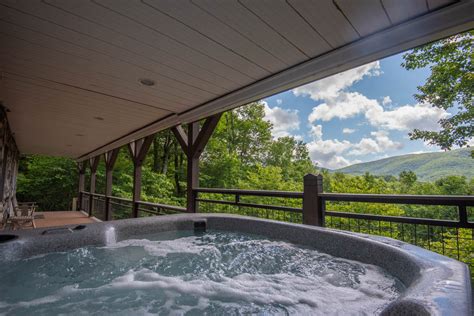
(220, 264)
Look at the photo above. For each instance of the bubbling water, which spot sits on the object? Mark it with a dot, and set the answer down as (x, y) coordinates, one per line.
(180, 273)
(110, 236)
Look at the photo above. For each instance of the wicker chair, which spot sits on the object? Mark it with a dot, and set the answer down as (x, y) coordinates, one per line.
(24, 217)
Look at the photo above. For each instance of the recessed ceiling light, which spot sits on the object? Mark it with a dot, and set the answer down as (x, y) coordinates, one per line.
(147, 82)
(98, 118)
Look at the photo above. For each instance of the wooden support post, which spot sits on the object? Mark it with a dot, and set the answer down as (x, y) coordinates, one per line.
(81, 168)
(193, 145)
(313, 204)
(192, 175)
(110, 159)
(93, 164)
(138, 150)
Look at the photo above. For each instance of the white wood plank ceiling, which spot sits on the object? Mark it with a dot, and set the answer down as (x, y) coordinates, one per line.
(71, 69)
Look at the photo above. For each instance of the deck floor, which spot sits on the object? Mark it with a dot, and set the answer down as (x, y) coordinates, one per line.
(61, 218)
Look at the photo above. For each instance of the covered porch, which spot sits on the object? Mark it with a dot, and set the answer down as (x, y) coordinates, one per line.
(83, 80)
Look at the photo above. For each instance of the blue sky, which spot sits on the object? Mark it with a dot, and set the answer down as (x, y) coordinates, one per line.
(360, 115)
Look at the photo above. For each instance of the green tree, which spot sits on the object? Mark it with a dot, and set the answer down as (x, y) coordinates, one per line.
(453, 185)
(407, 179)
(450, 84)
(49, 181)
(291, 156)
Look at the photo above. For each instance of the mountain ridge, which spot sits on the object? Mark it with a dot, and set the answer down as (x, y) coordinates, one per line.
(427, 166)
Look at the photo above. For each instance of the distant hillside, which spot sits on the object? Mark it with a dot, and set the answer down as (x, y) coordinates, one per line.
(428, 166)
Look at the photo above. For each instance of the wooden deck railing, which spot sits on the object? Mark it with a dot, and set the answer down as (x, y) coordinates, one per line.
(112, 208)
(451, 235)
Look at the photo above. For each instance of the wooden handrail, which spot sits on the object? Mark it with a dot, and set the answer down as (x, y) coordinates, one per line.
(454, 200)
(460, 201)
(285, 194)
(446, 200)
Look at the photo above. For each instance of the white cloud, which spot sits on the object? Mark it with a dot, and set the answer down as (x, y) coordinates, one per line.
(331, 87)
(317, 132)
(328, 153)
(378, 144)
(331, 153)
(404, 118)
(346, 105)
(284, 121)
(407, 117)
(384, 141)
(343, 104)
(337, 101)
(279, 101)
(386, 100)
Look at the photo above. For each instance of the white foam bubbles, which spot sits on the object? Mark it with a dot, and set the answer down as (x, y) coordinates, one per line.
(216, 273)
(110, 236)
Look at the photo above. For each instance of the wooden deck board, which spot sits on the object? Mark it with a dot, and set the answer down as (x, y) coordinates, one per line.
(61, 218)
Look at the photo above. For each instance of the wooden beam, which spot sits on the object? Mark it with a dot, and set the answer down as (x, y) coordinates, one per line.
(138, 150)
(192, 175)
(193, 145)
(133, 147)
(110, 159)
(181, 136)
(93, 164)
(137, 189)
(144, 147)
(81, 168)
(205, 134)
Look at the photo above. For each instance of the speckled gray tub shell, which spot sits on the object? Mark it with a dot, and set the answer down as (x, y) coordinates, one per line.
(435, 284)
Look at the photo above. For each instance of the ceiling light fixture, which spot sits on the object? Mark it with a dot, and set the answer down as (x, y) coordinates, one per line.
(147, 82)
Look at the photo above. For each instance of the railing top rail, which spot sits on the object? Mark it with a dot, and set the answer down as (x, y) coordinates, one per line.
(166, 206)
(455, 200)
(145, 203)
(286, 194)
(254, 205)
(402, 219)
(93, 194)
(120, 199)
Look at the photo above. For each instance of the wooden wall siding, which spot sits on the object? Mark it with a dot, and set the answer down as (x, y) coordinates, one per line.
(65, 62)
(9, 157)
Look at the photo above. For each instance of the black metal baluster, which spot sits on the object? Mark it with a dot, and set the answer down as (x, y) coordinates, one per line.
(457, 241)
